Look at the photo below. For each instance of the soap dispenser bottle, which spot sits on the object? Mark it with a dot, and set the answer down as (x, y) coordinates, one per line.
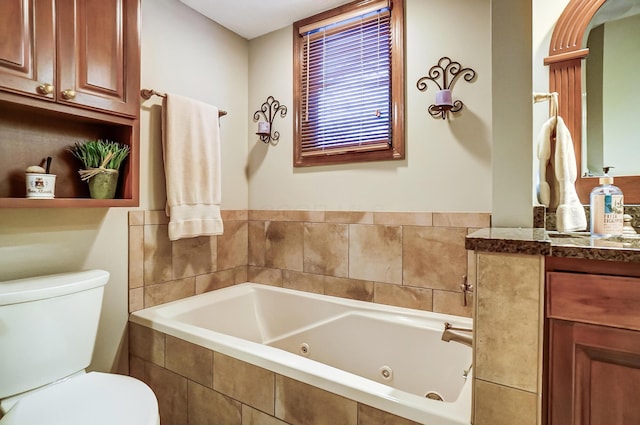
(606, 208)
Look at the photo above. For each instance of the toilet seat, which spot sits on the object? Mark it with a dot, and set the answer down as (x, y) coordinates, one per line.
(94, 398)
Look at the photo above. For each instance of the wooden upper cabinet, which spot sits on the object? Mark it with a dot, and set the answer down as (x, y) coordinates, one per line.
(76, 52)
(98, 54)
(27, 47)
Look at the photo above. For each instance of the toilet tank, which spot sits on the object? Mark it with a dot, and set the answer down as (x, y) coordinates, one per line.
(48, 327)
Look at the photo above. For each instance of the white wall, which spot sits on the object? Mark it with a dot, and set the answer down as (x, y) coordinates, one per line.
(182, 52)
(448, 163)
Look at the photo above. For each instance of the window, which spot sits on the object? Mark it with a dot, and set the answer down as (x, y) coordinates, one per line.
(349, 84)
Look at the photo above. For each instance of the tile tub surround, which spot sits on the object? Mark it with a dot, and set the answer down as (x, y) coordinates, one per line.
(196, 385)
(406, 259)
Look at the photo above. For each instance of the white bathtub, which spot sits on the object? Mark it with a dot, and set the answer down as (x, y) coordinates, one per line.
(386, 357)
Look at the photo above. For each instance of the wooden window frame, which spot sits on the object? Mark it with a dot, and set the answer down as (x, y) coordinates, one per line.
(396, 149)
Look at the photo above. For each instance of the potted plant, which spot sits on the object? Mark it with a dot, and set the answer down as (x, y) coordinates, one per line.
(101, 160)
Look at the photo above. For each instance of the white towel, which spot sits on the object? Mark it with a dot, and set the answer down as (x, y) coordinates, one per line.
(191, 150)
(570, 215)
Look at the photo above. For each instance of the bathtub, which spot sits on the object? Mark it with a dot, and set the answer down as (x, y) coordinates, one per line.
(386, 357)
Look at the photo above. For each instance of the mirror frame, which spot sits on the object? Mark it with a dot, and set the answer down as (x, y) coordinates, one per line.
(566, 54)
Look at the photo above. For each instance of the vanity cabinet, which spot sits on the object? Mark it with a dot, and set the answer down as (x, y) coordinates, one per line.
(69, 72)
(80, 53)
(593, 342)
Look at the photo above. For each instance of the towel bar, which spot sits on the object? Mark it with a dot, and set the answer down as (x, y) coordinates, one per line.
(147, 93)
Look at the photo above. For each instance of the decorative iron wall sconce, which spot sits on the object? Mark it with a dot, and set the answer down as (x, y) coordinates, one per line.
(449, 72)
(269, 110)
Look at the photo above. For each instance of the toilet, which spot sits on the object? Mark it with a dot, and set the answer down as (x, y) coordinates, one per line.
(48, 327)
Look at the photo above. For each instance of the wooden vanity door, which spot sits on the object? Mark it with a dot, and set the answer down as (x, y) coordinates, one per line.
(594, 349)
(595, 375)
(27, 47)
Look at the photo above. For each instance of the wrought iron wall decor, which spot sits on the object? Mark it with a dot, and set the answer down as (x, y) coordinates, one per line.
(449, 72)
(269, 110)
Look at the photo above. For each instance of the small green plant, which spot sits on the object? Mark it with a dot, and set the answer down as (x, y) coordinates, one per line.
(100, 153)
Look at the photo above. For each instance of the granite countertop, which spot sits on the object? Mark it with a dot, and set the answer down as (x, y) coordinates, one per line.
(535, 241)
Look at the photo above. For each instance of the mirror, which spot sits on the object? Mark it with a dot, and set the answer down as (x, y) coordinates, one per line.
(567, 53)
(611, 128)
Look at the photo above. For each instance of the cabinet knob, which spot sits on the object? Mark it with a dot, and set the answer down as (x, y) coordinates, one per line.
(69, 94)
(45, 89)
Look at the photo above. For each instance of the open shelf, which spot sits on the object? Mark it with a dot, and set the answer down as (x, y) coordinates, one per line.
(28, 135)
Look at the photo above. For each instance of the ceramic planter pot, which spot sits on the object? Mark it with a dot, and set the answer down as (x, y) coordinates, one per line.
(103, 185)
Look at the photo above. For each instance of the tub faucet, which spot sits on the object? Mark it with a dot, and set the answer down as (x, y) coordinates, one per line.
(461, 335)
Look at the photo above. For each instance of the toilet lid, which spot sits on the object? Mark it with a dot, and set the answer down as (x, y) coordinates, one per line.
(94, 398)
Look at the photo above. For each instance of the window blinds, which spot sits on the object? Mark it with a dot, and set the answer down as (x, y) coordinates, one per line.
(346, 86)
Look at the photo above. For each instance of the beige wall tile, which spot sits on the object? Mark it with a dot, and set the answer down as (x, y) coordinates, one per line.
(326, 249)
(303, 281)
(507, 319)
(403, 296)
(233, 245)
(137, 368)
(375, 253)
(156, 217)
(242, 274)
(169, 291)
(434, 257)
(136, 218)
(284, 244)
(217, 280)
(368, 415)
(349, 217)
(452, 303)
(146, 343)
(252, 416)
(193, 256)
(447, 219)
(348, 288)
(308, 216)
(265, 215)
(136, 256)
(157, 254)
(257, 236)
(207, 407)
(245, 382)
(301, 404)
(403, 218)
(231, 215)
(136, 299)
(189, 360)
(265, 276)
(498, 405)
(171, 391)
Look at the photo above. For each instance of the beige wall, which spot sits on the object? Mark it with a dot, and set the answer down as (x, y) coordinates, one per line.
(448, 163)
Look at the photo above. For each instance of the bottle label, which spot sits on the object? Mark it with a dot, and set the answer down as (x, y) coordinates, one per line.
(608, 215)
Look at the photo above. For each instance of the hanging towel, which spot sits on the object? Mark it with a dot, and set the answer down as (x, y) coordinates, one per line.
(191, 151)
(544, 153)
(570, 215)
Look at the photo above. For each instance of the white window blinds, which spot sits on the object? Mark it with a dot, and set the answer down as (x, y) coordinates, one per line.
(345, 84)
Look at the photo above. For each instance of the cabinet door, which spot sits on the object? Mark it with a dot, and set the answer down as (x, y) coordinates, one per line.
(27, 47)
(594, 375)
(99, 54)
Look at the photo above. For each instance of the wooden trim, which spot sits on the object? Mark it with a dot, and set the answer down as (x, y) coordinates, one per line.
(565, 77)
